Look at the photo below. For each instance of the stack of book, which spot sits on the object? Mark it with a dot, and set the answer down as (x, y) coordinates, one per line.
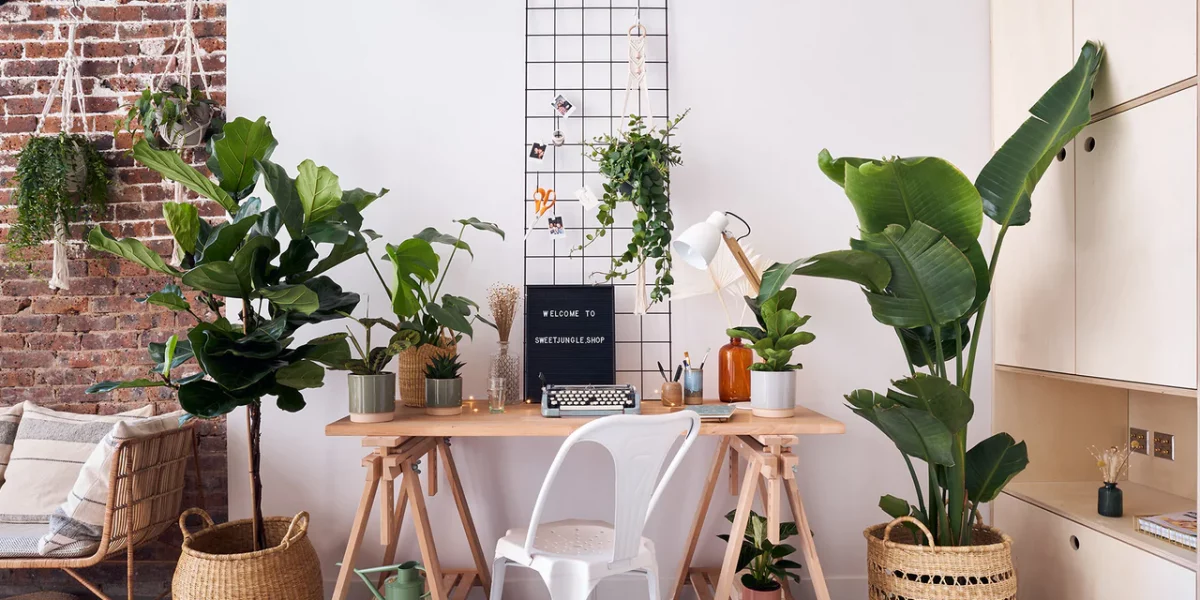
(1178, 528)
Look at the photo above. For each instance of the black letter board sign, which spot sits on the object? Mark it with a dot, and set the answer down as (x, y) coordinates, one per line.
(569, 332)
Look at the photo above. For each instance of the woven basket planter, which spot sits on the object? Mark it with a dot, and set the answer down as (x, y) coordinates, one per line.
(218, 561)
(410, 375)
(901, 569)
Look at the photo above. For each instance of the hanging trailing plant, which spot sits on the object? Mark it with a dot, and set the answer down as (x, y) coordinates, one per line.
(637, 163)
(57, 176)
(172, 118)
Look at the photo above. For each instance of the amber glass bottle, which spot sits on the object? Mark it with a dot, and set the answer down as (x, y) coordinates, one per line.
(735, 360)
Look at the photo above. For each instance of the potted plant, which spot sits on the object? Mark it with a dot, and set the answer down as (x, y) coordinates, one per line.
(924, 273)
(443, 386)
(60, 179)
(175, 117)
(773, 381)
(429, 326)
(372, 390)
(637, 163)
(253, 353)
(767, 566)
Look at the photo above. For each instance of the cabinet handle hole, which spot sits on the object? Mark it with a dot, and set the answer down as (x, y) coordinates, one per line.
(1074, 543)
(1062, 155)
(1089, 144)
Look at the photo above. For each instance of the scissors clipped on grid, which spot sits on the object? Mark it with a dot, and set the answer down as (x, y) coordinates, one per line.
(543, 200)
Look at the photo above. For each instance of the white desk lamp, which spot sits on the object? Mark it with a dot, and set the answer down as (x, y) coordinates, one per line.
(698, 245)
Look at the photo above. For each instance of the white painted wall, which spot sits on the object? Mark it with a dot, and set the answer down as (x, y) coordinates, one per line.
(427, 99)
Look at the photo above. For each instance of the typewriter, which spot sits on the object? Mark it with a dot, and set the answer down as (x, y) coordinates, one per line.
(590, 400)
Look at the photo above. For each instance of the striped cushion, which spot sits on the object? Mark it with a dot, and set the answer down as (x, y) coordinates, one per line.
(9, 418)
(48, 452)
(20, 540)
(76, 525)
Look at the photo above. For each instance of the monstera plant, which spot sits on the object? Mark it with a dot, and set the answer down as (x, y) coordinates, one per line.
(924, 273)
(253, 354)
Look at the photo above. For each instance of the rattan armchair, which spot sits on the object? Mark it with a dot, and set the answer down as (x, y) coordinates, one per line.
(144, 499)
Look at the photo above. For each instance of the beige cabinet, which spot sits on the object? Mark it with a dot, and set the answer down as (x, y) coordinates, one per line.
(1059, 559)
(1149, 45)
(1135, 209)
(1031, 49)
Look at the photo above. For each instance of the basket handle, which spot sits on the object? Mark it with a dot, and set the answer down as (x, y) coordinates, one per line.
(887, 531)
(208, 522)
(299, 525)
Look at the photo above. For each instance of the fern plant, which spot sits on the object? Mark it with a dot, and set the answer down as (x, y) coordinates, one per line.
(445, 366)
(57, 176)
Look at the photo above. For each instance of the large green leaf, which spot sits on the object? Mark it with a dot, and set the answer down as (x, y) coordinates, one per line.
(108, 386)
(414, 262)
(449, 318)
(433, 236)
(859, 266)
(234, 363)
(903, 190)
(181, 353)
(206, 399)
(235, 150)
(319, 191)
(296, 298)
(1008, 179)
(301, 375)
(835, 169)
(252, 263)
(219, 278)
(333, 303)
(330, 350)
(360, 199)
(169, 164)
(338, 255)
(991, 464)
(482, 226)
(932, 281)
(915, 432)
(224, 240)
(129, 249)
(171, 296)
(184, 222)
(920, 348)
(945, 401)
(283, 189)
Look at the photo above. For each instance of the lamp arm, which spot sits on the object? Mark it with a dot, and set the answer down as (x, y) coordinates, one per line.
(739, 255)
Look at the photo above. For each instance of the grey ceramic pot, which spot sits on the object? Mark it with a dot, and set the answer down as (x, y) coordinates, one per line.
(443, 397)
(773, 393)
(372, 397)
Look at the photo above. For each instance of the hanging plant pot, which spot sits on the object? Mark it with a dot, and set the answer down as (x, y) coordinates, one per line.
(192, 128)
(76, 163)
(59, 176)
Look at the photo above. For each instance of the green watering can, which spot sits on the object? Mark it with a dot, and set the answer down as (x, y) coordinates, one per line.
(406, 584)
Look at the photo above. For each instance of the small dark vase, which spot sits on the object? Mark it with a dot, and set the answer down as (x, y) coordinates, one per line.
(1109, 502)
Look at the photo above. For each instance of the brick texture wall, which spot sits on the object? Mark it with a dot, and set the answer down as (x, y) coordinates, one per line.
(53, 344)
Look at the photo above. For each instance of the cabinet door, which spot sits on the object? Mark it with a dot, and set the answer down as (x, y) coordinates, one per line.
(1034, 293)
(1148, 45)
(1059, 559)
(1135, 212)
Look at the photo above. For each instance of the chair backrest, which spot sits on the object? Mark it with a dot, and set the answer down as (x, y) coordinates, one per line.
(146, 487)
(639, 446)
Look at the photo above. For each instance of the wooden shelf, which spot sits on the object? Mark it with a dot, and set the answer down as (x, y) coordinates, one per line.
(1116, 383)
(1077, 501)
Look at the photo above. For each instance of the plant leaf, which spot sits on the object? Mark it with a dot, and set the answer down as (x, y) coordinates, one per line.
(449, 318)
(129, 249)
(319, 191)
(413, 262)
(283, 190)
(169, 164)
(947, 402)
(991, 464)
(482, 226)
(184, 222)
(932, 281)
(296, 298)
(301, 375)
(864, 268)
(108, 386)
(171, 296)
(895, 507)
(360, 199)
(206, 399)
(432, 235)
(235, 150)
(224, 240)
(218, 278)
(289, 399)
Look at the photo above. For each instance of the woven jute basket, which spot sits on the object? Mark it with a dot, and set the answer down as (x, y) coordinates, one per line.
(902, 569)
(218, 561)
(410, 376)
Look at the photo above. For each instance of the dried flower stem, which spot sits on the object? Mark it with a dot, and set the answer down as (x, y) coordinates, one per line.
(1113, 462)
(503, 300)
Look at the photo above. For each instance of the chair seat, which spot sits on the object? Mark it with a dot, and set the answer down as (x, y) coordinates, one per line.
(589, 542)
(20, 540)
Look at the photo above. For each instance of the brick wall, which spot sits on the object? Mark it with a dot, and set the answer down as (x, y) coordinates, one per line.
(53, 344)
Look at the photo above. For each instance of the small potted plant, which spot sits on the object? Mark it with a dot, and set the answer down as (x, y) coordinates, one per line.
(173, 118)
(773, 381)
(766, 564)
(372, 390)
(443, 386)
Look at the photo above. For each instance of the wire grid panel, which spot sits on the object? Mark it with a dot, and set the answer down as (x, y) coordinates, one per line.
(579, 49)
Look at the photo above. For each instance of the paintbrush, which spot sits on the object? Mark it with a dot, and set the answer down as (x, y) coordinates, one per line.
(662, 371)
(705, 359)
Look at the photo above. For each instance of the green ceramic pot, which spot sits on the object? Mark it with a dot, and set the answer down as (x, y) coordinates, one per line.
(372, 397)
(443, 397)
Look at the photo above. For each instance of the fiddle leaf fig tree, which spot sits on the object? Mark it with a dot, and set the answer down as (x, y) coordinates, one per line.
(923, 272)
(281, 288)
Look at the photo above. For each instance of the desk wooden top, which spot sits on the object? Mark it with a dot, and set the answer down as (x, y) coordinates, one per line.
(521, 420)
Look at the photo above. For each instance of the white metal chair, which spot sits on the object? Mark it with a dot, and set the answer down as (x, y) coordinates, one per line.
(572, 556)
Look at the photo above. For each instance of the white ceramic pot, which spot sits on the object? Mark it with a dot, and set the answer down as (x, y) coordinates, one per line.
(773, 393)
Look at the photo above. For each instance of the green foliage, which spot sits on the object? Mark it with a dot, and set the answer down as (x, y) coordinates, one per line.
(778, 332)
(637, 163)
(373, 360)
(57, 175)
(443, 366)
(767, 563)
(166, 110)
(924, 273)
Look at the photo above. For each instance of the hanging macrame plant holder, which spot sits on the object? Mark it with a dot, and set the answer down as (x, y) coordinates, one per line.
(67, 87)
(184, 55)
(638, 85)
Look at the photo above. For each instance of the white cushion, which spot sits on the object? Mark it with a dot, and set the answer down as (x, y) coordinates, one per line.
(10, 417)
(48, 453)
(20, 540)
(78, 523)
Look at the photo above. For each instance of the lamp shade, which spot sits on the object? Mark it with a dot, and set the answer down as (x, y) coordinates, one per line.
(698, 245)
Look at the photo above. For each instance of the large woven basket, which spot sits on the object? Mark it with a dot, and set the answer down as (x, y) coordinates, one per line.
(902, 569)
(218, 561)
(410, 376)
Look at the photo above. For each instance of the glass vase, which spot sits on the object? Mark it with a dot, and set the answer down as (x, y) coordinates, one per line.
(734, 371)
(507, 366)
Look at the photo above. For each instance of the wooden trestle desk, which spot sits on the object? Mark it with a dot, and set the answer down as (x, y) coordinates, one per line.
(397, 446)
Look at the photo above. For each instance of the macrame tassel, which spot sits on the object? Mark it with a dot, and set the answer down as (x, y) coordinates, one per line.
(61, 273)
(639, 292)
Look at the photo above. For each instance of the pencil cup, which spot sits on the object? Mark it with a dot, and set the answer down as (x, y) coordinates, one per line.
(693, 386)
(672, 394)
